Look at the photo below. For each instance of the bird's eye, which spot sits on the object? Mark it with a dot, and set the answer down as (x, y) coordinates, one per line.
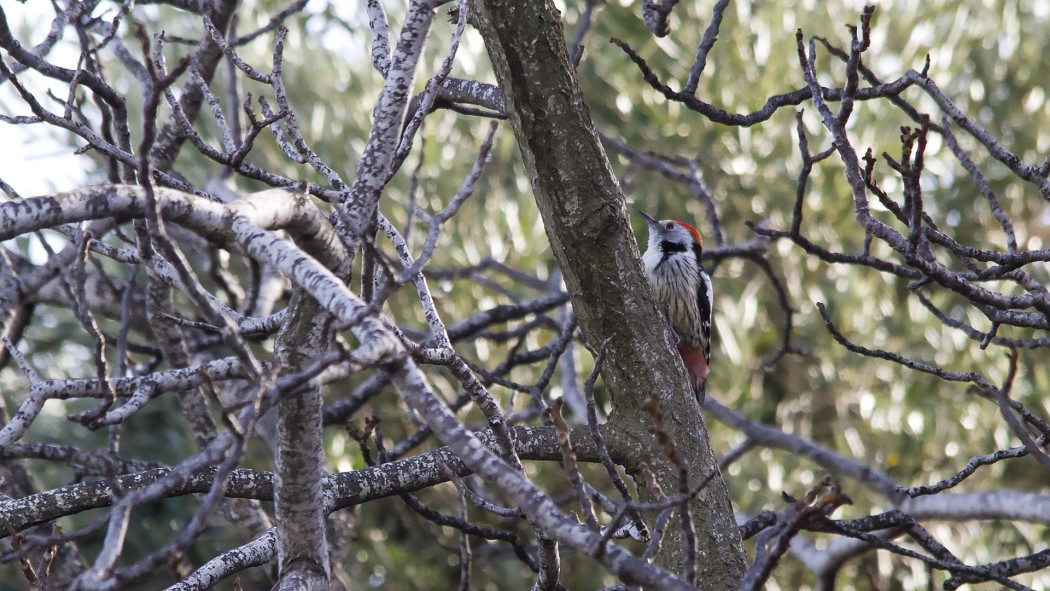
(669, 225)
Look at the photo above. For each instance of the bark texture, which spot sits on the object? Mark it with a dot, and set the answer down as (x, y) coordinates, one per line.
(301, 541)
(587, 223)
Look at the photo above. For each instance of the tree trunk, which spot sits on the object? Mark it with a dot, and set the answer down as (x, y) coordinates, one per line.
(301, 542)
(587, 223)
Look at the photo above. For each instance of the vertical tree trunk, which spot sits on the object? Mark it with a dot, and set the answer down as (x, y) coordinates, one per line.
(587, 224)
(301, 543)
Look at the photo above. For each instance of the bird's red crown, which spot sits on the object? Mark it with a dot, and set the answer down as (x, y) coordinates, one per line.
(692, 231)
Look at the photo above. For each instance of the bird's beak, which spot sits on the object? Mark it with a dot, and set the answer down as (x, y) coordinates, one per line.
(648, 218)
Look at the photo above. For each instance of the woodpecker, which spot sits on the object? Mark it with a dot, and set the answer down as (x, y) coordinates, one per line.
(672, 261)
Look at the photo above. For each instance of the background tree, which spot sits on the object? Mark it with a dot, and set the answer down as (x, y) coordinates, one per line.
(279, 311)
